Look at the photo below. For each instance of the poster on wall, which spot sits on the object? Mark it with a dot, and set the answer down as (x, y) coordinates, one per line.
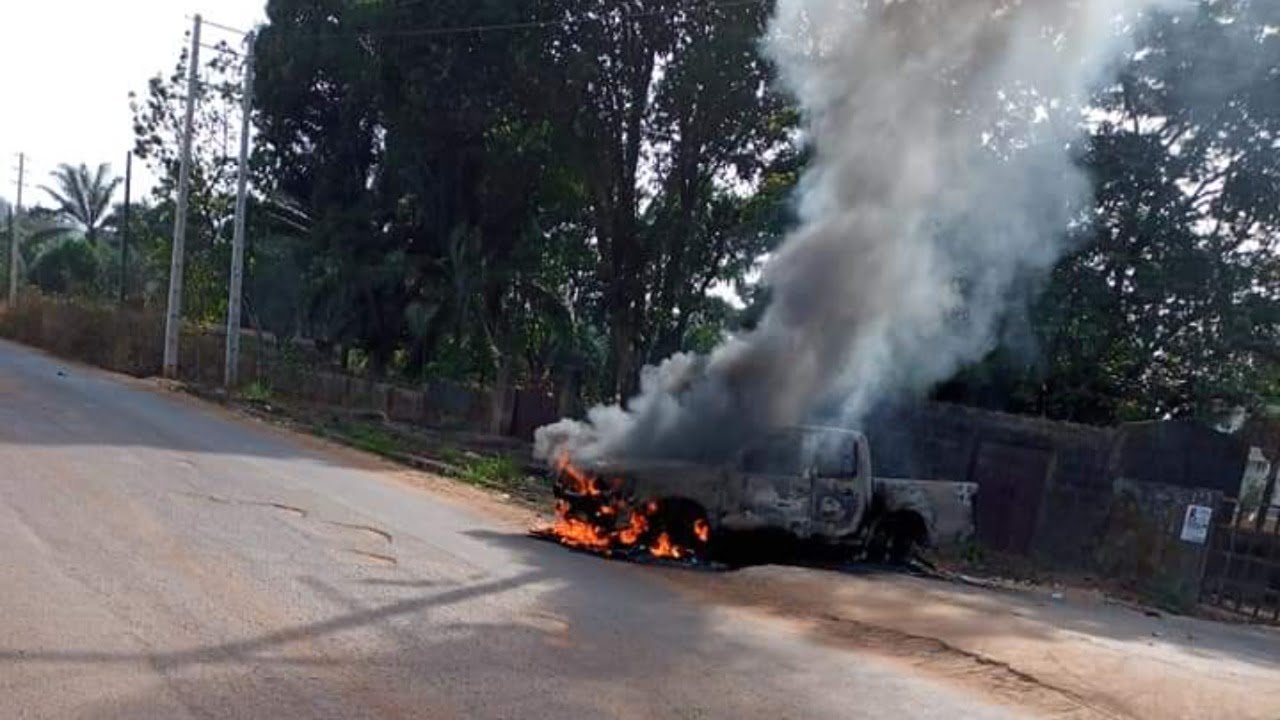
(1195, 526)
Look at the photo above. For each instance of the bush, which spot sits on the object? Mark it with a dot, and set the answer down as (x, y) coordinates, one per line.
(369, 438)
(256, 391)
(491, 470)
(122, 340)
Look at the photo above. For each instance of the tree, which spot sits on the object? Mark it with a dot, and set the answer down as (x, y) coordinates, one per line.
(66, 268)
(1171, 304)
(667, 116)
(7, 219)
(317, 130)
(157, 124)
(427, 186)
(82, 198)
(479, 203)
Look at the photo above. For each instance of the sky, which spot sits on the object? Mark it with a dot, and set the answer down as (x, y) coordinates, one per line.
(69, 67)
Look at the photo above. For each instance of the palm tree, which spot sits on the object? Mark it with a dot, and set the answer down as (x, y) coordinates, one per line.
(83, 197)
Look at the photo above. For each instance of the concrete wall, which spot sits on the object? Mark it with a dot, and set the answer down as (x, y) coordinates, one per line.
(439, 404)
(1141, 541)
(1046, 479)
(1184, 453)
(1071, 496)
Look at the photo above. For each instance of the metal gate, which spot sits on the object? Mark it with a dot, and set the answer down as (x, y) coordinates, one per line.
(1011, 482)
(1242, 570)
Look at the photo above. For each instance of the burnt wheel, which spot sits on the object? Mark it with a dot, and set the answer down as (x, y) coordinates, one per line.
(678, 529)
(896, 538)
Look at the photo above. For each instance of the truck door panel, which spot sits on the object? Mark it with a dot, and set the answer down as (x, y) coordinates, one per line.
(775, 492)
(836, 503)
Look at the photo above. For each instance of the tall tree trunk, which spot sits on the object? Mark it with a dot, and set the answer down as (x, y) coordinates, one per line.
(624, 374)
(500, 405)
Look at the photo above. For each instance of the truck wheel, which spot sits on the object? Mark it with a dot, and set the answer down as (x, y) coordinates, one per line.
(684, 523)
(901, 547)
(895, 537)
(877, 547)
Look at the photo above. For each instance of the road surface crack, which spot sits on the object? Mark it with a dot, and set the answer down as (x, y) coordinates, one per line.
(927, 650)
(363, 528)
(376, 557)
(291, 509)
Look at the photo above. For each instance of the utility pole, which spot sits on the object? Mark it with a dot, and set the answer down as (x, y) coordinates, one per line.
(14, 255)
(124, 232)
(237, 244)
(173, 319)
(13, 222)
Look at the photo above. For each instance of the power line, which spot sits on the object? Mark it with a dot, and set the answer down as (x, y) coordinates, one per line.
(225, 28)
(221, 49)
(526, 25)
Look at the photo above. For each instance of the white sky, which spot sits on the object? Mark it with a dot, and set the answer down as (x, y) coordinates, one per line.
(69, 66)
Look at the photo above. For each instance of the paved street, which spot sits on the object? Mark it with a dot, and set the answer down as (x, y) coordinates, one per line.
(159, 559)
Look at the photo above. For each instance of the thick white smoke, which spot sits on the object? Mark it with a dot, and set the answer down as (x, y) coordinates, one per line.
(942, 181)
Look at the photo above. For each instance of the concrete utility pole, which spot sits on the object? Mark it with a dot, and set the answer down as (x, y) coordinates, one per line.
(173, 319)
(14, 255)
(237, 244)
(124, 231)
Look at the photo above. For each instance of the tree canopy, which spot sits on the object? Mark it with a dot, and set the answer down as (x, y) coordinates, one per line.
(555, 193)
(1169, 304)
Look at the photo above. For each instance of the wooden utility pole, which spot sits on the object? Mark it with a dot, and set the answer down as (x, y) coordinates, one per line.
(14, 256)
(237, 244)
(173, 318)
(124, 231)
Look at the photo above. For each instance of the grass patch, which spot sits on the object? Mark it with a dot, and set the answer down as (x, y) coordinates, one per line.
(451, 455)
(256, 391)
(495, 470)
(498, 472)
(369, 438)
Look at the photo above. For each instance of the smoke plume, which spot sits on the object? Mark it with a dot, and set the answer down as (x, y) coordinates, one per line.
(942, 183)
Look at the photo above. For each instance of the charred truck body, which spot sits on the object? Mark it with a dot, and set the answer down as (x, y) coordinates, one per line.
(814, 484)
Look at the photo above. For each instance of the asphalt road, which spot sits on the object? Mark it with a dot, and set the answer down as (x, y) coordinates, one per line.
(161, 560)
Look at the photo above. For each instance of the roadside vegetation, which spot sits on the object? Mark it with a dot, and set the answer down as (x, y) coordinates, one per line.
(502, 467)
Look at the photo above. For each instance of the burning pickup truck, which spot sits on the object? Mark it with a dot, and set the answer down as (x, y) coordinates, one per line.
(814, 484)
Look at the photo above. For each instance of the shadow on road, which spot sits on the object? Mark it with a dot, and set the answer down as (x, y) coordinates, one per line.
(569, 636)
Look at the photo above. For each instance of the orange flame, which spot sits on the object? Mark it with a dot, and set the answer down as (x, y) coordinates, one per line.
(596, 524)
(579, 481)
(581, 534)
(702, 530)
(664, 548)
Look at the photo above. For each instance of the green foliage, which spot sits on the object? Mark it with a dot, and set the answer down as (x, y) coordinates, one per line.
(451, 455)
(257, 392)
(1169, 305)
(157, 123)
(66, 268)
(369, 438)
(491, 470)
(677, 141)
(82, 199)
(506, 206)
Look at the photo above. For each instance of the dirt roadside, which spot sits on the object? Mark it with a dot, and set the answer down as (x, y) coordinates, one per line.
(1074, 656)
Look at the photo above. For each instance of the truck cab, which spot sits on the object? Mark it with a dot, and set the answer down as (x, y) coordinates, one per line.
(812, 482)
